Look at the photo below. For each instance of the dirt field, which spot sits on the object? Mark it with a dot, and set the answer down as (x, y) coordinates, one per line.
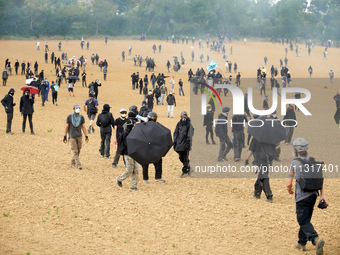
(49, 208)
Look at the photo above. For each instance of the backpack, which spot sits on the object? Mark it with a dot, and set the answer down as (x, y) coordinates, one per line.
(121, 146)
(311, 177)
(145, 90)
(267, 151)
(91, 106)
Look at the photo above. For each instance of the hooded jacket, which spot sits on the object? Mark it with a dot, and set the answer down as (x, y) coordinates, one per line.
(183, 135)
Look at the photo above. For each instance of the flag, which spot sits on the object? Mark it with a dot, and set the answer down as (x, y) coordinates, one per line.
(212, 66)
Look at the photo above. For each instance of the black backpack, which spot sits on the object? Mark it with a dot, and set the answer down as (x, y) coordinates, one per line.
(121, 146)
(91, 106)
(267, 151)
(311, 176)
(145, 90)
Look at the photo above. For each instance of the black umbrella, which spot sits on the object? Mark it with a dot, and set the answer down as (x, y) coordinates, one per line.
(337, 116)
(73, 77)
(148, 142)
(270, 132)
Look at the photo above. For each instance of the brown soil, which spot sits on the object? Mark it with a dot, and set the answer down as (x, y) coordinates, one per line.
(48, 208)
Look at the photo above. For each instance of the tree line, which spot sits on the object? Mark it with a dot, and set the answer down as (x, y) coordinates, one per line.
(314, 19)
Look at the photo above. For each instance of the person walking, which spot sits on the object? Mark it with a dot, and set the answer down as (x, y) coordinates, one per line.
(26, 110)
(4, 77)
(221, 131)
(170, 99)
(331, 76)
(304, 200)
(105, 72)
(290, 123)
(183, 141)
(42, 90)
(208, 124)
(131, 165)
(150, 100)
(91, 108)
(152, 116)
(54, 88)
(83, 79)
(164, 91)
(263, 154)
(75, 123)
(180, 86)
(119, 123)
(310, 71)
(8, 104)
(337, 100)
(105, 120)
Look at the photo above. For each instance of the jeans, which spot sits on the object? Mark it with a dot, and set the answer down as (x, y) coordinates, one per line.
(289, 134)
(30, 117)
(131, 167)
(238, 143)
(9, 122)
(158, 170)
(105, 143)
(171, 110)
(83, 82)
(304, 212)
(262, 182)
(162, 98)
(223, 149)
(181, 89)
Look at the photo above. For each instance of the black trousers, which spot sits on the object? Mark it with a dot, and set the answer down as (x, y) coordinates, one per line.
(105, 143)
(30, 119)
(262, 182)
(224, 150)
(9, 122)
(184, 158)
(208, 130)
(158, 170)
(83, 82)
(54, 98)
(43, 99)
(304, 212)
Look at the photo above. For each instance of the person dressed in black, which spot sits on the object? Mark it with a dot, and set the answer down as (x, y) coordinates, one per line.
(221, 131)
(105, 120)
(134, 81)
(157, 93)
(140, 86)
(94, 87)
(337, 100)
(36, 68)
(290, 123)
(152, 116)
(16, 66)
(83, 79)
(8, 104)
(150, 100)
(183, 141)
(246, 107)
(208, 124)
(238, 123)
(23, 67)
(26, 110)
(263, 162)
(42, 90)
(144, 110)
(119, 123)
(54, 88)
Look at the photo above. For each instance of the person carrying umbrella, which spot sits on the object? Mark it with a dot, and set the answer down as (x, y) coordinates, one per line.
(131, 165)
(265, 136)
(75, 123)
(8, 104)
(183, 141)
(26, 109)
(152, 116)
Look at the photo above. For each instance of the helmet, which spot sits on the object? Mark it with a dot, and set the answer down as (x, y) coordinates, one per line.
(184, 113)
(300, 144)
(134, 109)
(123, 112)
(225, 109)
(92, 93)
(152, 116)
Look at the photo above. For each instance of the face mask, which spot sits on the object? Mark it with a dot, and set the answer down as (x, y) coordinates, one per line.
(77, 110)
(123, 115)
(184, 119)
(11, 94)
(209, 109)
(26, 94)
